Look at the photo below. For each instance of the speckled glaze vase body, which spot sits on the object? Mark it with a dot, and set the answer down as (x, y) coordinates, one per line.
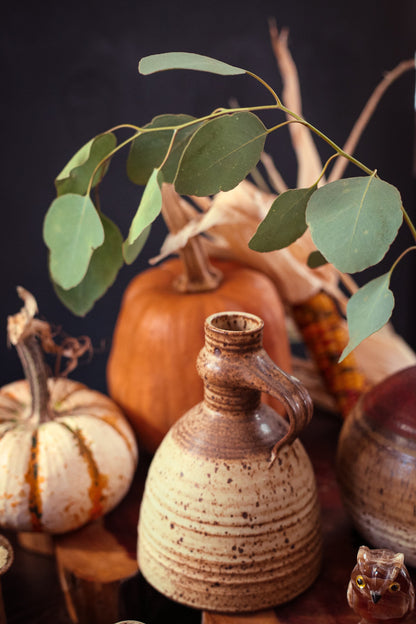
(376, 464)
(230, 519)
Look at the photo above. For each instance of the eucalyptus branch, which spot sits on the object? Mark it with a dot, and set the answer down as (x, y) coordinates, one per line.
(137, 129)
(224, 111)
(409, 222)
(169, 150)
(352, 222)
(267, 86)
(111, 154)
(142, 130)
(402, 255)
(330, 142)
(281, 125)
(300, 119)
(325, 167)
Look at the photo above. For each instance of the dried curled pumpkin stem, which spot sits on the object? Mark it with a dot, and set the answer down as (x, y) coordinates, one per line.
(199, 274)
(32, 338)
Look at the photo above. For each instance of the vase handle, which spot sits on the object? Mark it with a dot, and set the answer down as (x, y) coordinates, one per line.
(263, 374)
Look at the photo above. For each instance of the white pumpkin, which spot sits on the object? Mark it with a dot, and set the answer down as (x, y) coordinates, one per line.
(67, 454)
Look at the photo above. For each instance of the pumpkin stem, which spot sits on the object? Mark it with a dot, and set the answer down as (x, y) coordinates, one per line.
(31, 357)
(199, 274)
(23, 333)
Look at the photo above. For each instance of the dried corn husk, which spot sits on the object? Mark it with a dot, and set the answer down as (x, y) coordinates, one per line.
(231, 221)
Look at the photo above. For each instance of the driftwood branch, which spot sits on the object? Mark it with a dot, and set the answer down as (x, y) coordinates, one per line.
(309, 162)
(275, 178)
(366, 114)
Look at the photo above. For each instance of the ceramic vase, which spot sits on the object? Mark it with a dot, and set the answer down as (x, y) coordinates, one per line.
(376, 464)
(229, 519)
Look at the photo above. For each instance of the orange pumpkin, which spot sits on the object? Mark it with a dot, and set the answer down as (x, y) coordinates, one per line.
(159, 332)
(151, 371)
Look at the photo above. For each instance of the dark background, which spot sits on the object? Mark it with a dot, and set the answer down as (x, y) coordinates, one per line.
(69, 72)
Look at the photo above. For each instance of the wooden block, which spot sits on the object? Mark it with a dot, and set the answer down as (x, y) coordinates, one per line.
(39, 543)
(94, 561)
(92, 565)
(260, 617)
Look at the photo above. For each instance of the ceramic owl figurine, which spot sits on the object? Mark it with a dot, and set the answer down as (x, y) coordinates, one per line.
(380, 588)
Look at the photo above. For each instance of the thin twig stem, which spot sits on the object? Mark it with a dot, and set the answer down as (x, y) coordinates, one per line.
(366, 114)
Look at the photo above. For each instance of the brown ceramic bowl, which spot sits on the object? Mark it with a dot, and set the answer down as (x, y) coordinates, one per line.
(376, 464)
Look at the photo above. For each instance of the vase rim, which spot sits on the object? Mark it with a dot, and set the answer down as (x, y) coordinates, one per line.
(234, 321)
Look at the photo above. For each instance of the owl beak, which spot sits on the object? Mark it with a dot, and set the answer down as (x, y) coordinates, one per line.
(375, 596)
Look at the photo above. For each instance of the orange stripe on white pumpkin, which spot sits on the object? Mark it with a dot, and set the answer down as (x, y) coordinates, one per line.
(112, 447)
(32, 478)
(98, 481)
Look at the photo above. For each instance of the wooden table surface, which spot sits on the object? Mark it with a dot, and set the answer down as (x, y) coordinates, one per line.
(32, 593)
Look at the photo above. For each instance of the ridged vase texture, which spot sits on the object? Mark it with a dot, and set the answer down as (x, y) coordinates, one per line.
(376, 465)
(225, 525)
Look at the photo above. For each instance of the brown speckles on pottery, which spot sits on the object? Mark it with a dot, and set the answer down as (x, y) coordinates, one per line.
(230, 519)
(376, 464)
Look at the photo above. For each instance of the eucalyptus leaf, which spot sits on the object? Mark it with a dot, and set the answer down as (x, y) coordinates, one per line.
(148, 210)
(186, 60)
(106, 261)
(72, 230)
(368, 310)
(220, 154)
(354, 221)
(316, 260)
(149, 149)
(75, 176)
(130, 252)
(285, 221)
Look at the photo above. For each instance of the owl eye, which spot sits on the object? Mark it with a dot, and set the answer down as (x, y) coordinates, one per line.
(360, 582)
(394, 587)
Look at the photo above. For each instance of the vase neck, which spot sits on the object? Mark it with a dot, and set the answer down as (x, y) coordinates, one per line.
(230, 338)
(231, 401)
(233, 333)
(235, 369)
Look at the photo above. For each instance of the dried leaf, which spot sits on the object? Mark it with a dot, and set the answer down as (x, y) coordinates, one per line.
(309, 162)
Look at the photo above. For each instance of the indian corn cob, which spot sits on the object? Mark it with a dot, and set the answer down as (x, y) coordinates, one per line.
(325, 335)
